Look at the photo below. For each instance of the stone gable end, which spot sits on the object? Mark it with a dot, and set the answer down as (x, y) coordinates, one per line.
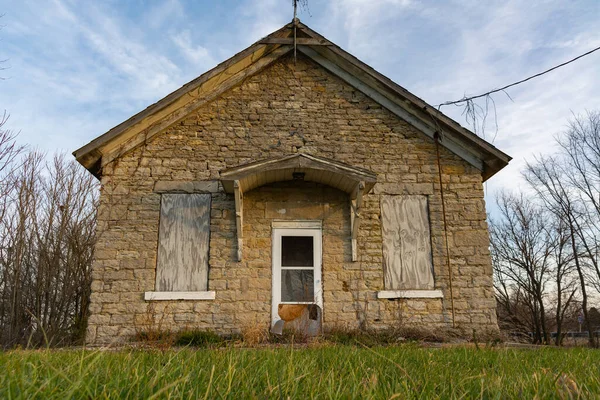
(289, 107)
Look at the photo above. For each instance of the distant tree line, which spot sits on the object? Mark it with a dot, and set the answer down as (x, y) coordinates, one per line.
(47, 236)
(545, 242)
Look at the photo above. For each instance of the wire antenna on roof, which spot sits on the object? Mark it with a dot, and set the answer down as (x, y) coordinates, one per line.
(295, 22)
(295, 2)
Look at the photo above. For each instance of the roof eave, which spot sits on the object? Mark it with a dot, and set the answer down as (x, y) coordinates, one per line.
(90, 154)
(492, 158)
(484, 155)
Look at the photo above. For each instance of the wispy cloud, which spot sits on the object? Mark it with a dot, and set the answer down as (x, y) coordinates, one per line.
(125, 54)
(262, 17)
(78, 68)
(444, 50)
(361, 22)
(164, 13)
(196, 54)
(75, 65)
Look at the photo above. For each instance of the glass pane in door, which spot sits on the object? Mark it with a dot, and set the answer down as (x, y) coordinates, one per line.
(297, 251)
(297, 285)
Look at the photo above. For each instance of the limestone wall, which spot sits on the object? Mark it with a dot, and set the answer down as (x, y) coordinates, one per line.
(287, 109)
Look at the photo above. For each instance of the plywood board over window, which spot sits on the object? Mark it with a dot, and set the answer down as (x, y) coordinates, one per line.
(182, 264)
(406, 243)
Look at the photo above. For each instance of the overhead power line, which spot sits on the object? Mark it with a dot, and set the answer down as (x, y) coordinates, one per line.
(468, 99)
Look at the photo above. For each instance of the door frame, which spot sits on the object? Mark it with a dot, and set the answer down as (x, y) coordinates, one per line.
(295, 228)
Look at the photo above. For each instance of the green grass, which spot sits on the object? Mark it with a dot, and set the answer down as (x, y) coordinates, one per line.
(329, 372)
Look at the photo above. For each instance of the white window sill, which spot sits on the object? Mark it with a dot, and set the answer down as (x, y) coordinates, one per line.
(410, 294)
(209, 295)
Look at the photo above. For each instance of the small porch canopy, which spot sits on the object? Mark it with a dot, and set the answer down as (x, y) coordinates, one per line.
(352, 180)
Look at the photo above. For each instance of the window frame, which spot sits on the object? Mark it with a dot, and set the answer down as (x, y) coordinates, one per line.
(410, 293)
(182, 294)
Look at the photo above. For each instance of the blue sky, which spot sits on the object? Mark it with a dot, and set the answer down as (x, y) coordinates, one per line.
(78, 68)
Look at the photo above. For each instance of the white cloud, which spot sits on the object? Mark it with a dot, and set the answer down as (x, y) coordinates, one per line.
(78, 68)
(77, 71)
(198, 55)
(262, 17)
(167, 12)
(152, 72)
(361, 23)
(442, 51)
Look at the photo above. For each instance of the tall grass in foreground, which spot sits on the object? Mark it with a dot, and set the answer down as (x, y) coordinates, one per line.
(328, 372)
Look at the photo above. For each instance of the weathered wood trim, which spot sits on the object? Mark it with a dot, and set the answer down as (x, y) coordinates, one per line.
(186, 187)
(299, 41)
(296, 162)
(355, 206)
(111, 152)
(303, 224)
(410, 294)
(239, 218)
(415, 103)
(208, 295)
(148, 122)
(399, 111)
(88, 154)
(299, 160)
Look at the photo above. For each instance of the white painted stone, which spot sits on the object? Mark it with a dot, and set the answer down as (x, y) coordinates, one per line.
(410, 294)
(208, 295)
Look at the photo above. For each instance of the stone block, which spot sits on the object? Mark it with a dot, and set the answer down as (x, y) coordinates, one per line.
(403, 188)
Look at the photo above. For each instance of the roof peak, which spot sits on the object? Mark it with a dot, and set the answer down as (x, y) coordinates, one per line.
(405, 105)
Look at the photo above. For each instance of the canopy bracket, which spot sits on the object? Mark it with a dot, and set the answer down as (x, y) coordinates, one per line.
(355, 206)
(239, 217)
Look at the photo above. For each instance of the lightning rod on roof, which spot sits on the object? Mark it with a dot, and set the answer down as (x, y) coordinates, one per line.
(295, 21)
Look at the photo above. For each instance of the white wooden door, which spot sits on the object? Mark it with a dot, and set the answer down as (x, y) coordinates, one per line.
(296, 268)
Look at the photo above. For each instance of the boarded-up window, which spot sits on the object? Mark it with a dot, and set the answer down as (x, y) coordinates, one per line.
(406, 243)
(182, 264)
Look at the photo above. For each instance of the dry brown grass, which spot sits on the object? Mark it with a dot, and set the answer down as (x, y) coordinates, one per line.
(150, 329)
(254, 333)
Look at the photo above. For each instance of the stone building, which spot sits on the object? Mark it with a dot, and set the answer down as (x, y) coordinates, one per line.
(291, 185)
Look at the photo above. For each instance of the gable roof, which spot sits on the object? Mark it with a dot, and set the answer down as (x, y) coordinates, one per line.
(208, 86)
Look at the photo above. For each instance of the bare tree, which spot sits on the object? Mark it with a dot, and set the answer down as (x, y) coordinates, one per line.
(581, 151)
(47, 239)
(47, 236)
(549, 177)
(565, 284)
(522, 247)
